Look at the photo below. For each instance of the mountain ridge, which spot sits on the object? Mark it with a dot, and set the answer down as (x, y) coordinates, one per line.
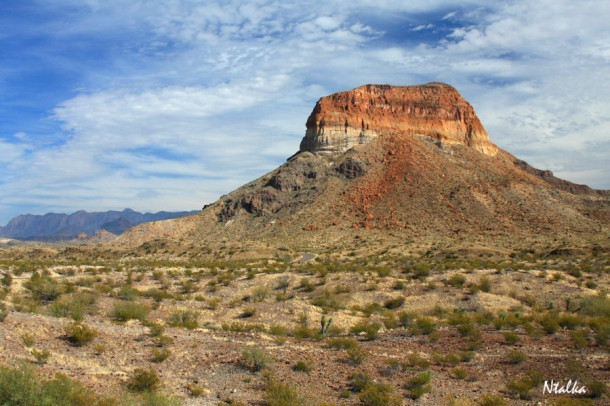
(61, 226)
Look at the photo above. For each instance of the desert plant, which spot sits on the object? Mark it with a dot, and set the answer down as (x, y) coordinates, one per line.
(303, 366)
(510, 337)
(370, 329)
(356, 355)
(42, 356)
(278, 393)
(418, 385)
(80, 334)
(143, 380)
(516, 357)
(342, 343)
(255, 359)
(124, 311)
(423, 325)
(394, 303)
(3, 312)
(21, 386)
(325, 324)
(160, 355)
(379, 394)
(28, 339)
(491, 400)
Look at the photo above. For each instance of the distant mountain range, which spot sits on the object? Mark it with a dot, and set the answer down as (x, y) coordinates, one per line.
(61, 227)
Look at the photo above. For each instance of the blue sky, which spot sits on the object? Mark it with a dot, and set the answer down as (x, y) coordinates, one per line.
(166, 105)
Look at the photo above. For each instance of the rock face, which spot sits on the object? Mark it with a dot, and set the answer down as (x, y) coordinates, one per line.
(342, 120)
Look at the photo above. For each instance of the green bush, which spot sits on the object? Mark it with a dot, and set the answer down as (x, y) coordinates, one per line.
(491, 400)
(281, 394)
(423, 325)
(511, 338)
(456, 280)
(379, 394)
(74, 306)
(341, 343)
(124, 311)
(418, 385)
(303, 366)
(255, 359)
(160, 355)
(184, 318)
(43, 288)
(370, 329)
(143, 380)
(21, 386)
(356, 355)
(394, 303)
(359, 380)
(80, 334)
(516, 357)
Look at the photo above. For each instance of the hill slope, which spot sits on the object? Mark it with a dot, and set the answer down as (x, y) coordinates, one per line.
(383, 164)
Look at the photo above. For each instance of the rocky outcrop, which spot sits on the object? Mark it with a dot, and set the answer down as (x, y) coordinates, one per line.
(342, 120)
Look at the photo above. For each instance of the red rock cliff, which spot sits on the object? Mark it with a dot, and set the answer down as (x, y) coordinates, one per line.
(436, 110)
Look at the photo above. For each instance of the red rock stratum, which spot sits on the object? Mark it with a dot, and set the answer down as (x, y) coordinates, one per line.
(344, 119)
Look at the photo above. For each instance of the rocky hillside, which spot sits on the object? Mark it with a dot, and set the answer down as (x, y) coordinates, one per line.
(58, 227)
(382, 164)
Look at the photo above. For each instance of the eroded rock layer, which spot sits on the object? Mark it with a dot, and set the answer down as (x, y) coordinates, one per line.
(344, 119)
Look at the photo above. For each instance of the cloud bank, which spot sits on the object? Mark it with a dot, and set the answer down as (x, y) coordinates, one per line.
(168, 105)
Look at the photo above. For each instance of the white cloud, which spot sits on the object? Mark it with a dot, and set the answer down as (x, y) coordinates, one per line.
(215, 94)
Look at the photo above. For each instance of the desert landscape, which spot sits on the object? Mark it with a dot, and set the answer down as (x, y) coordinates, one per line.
(398, 258)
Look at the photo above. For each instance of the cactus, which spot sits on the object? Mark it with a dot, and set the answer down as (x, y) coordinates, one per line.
(325, 325)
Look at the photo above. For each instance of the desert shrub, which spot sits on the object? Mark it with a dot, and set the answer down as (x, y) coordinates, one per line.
(128, 293)
(485, 284)
(278, 393)
(247, 312)
(415, 361)
(186, 318)
(491, 400)
(549, 323)
(511, 338)
(255, 359)
(516, 357)
(80, 334)
(43, 288)
(341, 343)
(28, 339)
(579, 338)
(394, 303)
(143, 380)
(596, 305)
(370, 329)
(460, 373)
(303, 366)
(3, 312)
(359, 380)
(328, 300)
(260, 293)
(522, 387)
(379, 394)
(278, 330)
(449, 359)
(195, 390)
(418, 385)
(423, 325)
(570, 321)
(405, 318)
(74, 306)
(356, 355)
(457, 280)
(160, 355)
(163, 341)
(21, 386)
(124, 311)
(155, 329)
(42, 356)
